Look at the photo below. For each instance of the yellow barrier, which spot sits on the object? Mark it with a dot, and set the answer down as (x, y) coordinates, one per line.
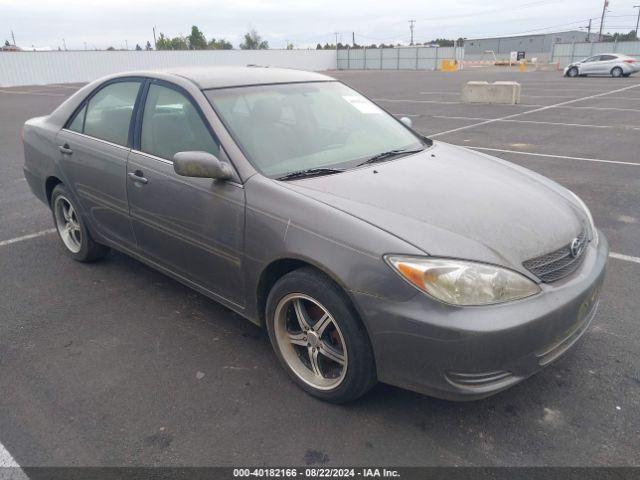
(449, 65)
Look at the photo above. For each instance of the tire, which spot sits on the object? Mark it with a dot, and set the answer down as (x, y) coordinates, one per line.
(72, 230)
(616, 72)
(335, 333)
(573, 72)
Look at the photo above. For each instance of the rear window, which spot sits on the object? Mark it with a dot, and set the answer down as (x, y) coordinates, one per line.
(107, 115)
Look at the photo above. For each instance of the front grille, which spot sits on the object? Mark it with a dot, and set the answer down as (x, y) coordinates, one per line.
(557, 264)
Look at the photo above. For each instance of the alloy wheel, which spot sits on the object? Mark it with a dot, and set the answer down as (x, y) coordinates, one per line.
(310, 341)
(67, 224)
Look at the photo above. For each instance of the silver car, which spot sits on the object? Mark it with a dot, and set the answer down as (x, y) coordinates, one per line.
(613, 64)
(369, 252)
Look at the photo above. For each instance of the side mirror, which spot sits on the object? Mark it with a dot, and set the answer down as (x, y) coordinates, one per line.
(407, 121)
(202, 165)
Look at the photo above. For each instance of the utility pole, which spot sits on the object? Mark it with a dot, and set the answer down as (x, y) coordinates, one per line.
(13, 38)
(637, 21)
(126, 44)
(411, 24)
(336, 34)
(155, 46)
(604, 11)
(64, 44)
(589, 31)
(353, 39)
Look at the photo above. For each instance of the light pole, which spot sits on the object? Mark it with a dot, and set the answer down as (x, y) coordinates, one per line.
(411, 24)
(637, 21)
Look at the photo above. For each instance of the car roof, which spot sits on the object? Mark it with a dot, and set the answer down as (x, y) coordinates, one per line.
(228, 76)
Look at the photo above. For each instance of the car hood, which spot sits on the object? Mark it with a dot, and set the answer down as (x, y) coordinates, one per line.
(453, 202)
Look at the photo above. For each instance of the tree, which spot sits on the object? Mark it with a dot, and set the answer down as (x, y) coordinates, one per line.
(176, 43)
(253, 41)
(138, 47)
(197, 40)
(289, 46)
(318, 47)
(179, 43)
(111, 49)
(221, 44)
(619, 37)
(163, 43)
(148, 46)
(6, 43)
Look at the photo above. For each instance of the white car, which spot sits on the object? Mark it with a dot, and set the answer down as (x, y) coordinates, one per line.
(613, 64)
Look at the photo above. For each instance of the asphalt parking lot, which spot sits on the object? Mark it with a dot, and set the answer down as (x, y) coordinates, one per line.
(115, 364)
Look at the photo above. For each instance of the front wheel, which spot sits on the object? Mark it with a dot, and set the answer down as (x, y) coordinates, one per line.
(573, 72)
(318, 338)
(616, 72)
(72, 230)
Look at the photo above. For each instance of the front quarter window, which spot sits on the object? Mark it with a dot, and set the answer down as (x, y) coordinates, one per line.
(316, 125)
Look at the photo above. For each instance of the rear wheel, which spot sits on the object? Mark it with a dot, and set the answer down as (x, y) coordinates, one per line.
(616, 72)
(318, 337)
(72, 230)
(572, 72)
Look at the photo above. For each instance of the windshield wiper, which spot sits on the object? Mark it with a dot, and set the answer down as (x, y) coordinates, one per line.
(310, 172)
(386, 155)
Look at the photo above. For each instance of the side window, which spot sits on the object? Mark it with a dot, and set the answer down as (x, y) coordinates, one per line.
(171, 124)
(606, 58)
(77, 125)
(109, 112)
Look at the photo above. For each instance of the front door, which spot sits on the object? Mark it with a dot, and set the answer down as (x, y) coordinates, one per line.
(192, 226)
(590, 65)
(93, 154)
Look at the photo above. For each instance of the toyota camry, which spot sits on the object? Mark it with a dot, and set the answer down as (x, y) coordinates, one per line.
(368, 251)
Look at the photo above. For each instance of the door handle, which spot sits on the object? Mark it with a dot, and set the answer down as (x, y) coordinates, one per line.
(65, 149)
(137, 177)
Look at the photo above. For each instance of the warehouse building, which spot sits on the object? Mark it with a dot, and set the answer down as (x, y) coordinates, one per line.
(533, 45)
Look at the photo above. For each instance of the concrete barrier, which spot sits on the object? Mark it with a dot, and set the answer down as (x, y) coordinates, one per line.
(485, 92)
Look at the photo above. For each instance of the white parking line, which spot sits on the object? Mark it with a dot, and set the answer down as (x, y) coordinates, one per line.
(541, 109)
(559, 105)
(441, 102)
(6, 457)
(17, 92)
(7, 461)
(456, 94)
(537, 122)
(547, 155)
(27, 237)
(626, 258)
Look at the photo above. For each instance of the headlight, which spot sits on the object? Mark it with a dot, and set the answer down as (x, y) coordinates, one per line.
(464, 283)
(592, 226)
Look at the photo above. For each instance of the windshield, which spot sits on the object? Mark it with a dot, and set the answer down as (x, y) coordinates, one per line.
(294, 127)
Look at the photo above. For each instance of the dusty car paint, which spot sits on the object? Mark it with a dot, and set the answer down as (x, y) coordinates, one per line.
(445, 201)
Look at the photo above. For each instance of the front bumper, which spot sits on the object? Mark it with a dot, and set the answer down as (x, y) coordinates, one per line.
(472, 352)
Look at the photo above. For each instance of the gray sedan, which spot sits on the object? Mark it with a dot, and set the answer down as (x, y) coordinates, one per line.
(610, 64)
(369, 252)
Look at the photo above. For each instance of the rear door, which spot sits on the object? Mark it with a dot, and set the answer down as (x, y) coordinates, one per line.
(191, 226)
(94, 146)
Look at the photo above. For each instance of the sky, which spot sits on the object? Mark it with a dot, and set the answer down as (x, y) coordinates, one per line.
(119, 23)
